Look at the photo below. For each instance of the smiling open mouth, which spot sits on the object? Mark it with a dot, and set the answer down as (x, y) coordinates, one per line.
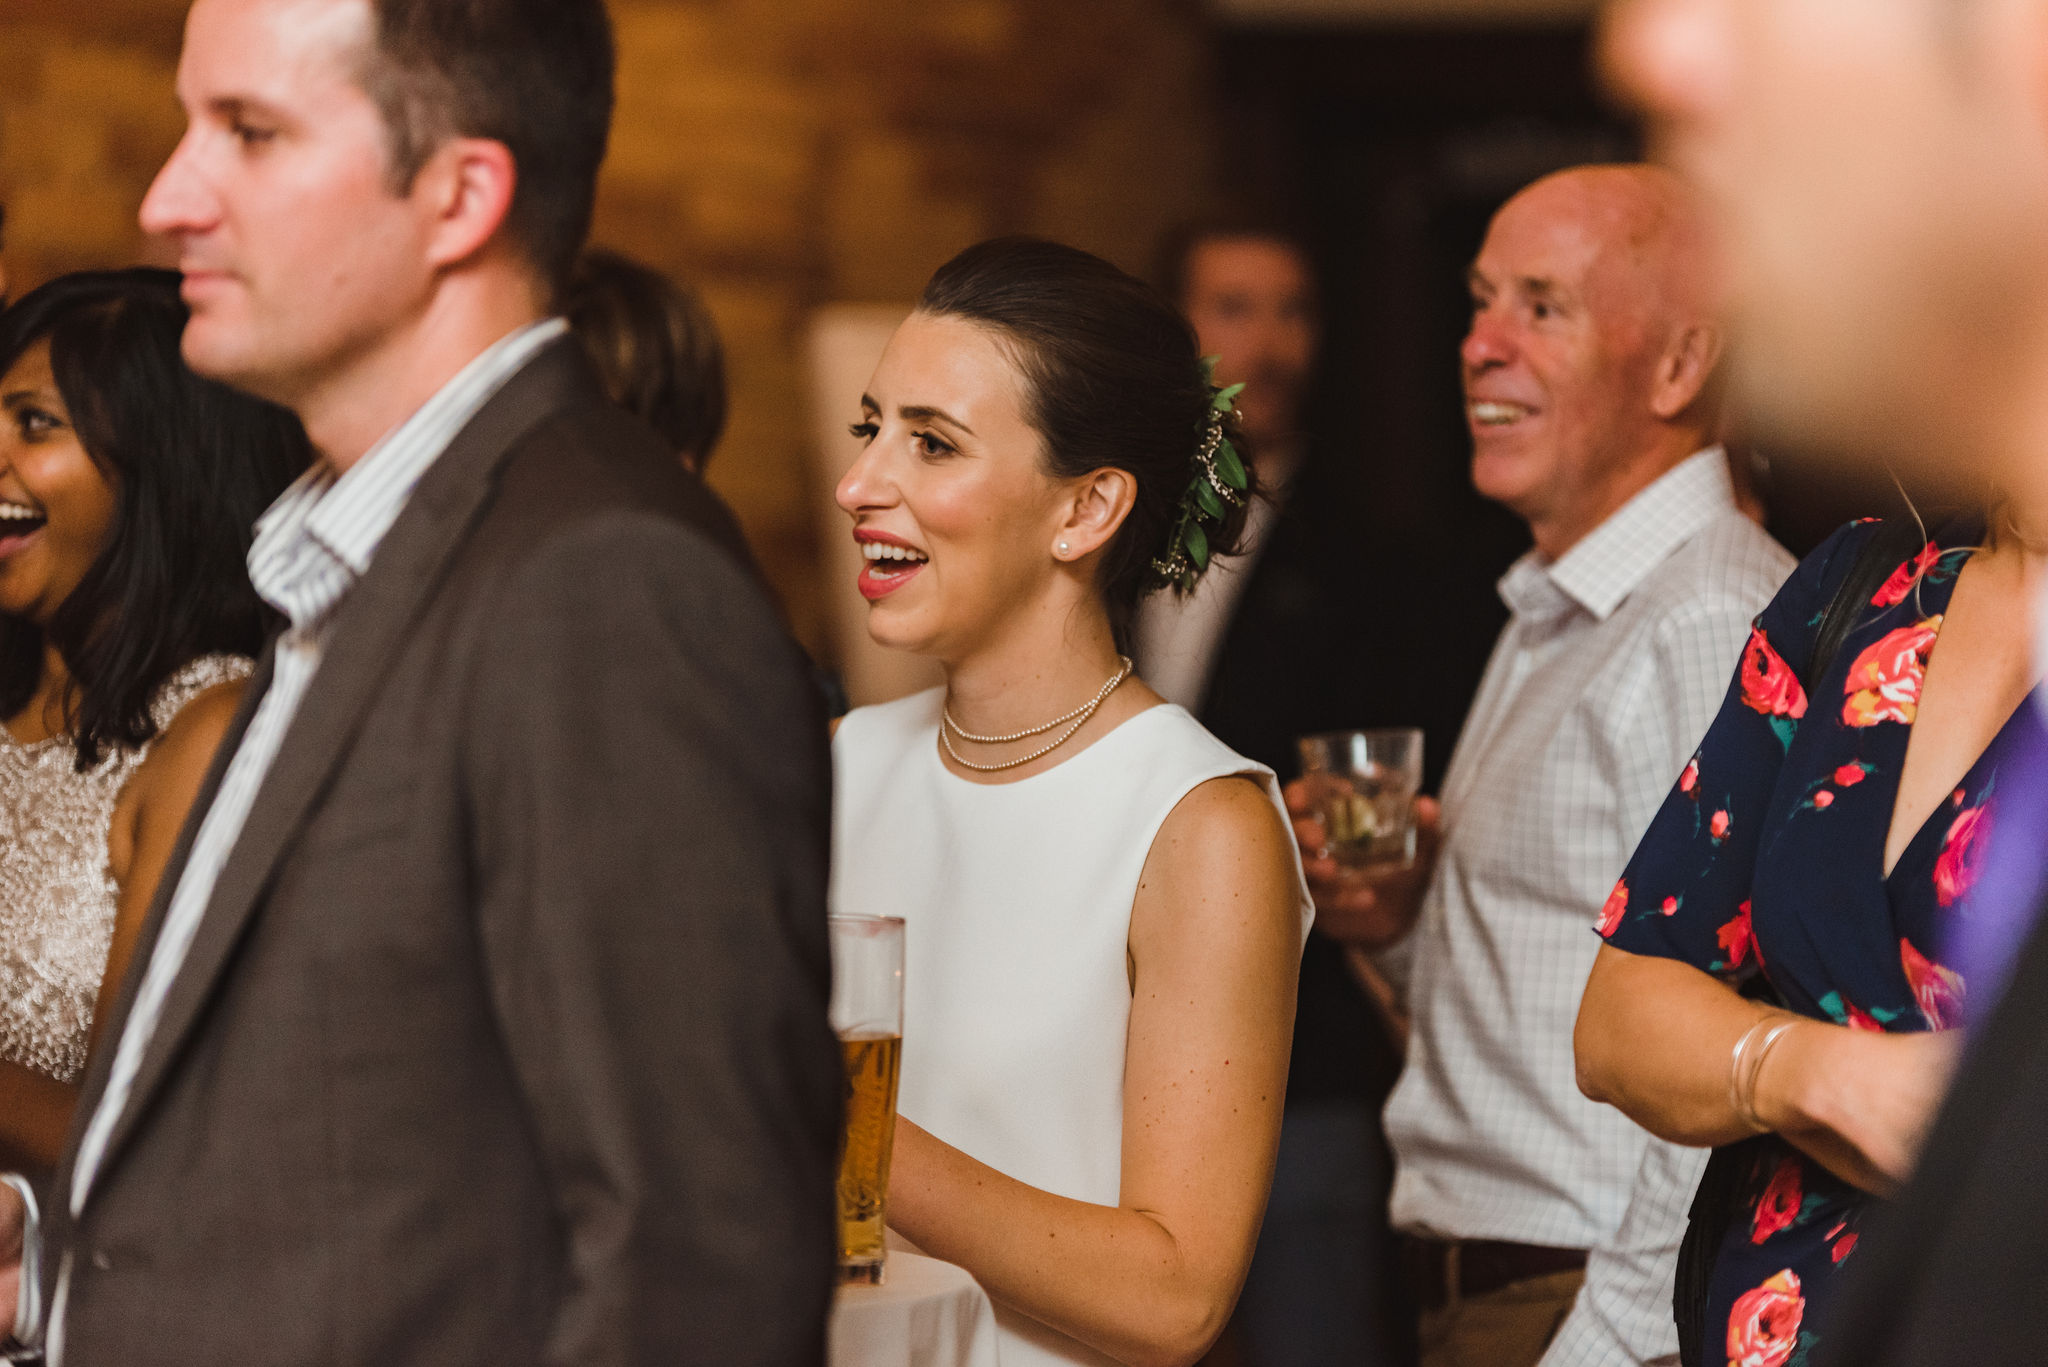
(889, 567)
(1491, 413)
(18, 520)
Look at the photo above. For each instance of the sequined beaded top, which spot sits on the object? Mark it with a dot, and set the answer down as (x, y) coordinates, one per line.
(57, 892)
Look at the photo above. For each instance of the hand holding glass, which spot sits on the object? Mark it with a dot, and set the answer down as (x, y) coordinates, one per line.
(1363, 785)
(867, 1015)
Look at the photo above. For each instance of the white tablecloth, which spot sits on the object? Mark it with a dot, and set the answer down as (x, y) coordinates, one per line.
(927, 1314)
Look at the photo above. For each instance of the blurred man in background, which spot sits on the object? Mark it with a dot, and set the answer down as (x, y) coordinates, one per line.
(1264, 651)
(1880, 170)
(1591, 383)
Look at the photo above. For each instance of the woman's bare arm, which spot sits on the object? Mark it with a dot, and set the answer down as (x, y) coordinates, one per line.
(149, 818)
(35, 1115)
(1656, 1039)
(35, 1109)
(1216, 945)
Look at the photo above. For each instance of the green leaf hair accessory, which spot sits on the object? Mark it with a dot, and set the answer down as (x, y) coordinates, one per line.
(1220, 483)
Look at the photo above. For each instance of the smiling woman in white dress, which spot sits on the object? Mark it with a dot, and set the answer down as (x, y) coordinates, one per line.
(1105, 909)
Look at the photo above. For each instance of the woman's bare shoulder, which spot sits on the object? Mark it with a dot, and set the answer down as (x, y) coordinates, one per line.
(1227, 815)
(179, 757)
(1222, 851)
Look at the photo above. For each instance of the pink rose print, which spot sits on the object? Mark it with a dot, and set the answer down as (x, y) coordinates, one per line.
(1859, 1019)
(1738, 937)
(1669, 907)
(1763, 1328)
(1938, 990)
(1718, 827)
(1884, 683)
(1901, 583)
(1768, 684)
(1614, 909)
(1689, 781)
(1962, 855)
(1851, 774)
(1779, 1206)
(1823, 800)
(1844, 1248)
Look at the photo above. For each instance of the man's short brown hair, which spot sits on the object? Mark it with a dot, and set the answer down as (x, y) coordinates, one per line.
(535, 75)
(1174, 254)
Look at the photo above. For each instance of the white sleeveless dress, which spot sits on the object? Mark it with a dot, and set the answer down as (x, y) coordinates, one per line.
(1017, 899)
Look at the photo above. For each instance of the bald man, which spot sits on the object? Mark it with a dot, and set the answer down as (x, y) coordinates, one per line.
(1590, 382)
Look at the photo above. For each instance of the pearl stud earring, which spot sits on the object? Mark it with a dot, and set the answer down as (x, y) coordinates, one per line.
(1062, 548)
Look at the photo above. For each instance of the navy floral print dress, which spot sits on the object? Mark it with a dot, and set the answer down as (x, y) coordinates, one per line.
(1768, 857)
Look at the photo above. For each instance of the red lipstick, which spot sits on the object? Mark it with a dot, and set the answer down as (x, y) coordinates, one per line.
(886, 573)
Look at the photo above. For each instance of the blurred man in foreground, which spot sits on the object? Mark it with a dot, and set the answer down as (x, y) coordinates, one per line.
(1590, 377)
(481, 1014)
(1880, 170)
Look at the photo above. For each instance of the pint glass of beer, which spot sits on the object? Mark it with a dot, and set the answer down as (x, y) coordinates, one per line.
(867, 1013)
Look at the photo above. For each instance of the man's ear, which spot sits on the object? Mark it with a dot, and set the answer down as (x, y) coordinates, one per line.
(1685, 370)
(1100, 504)
(469, 185)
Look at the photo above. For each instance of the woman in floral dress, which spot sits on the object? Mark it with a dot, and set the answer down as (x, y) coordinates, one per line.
(1791, 848)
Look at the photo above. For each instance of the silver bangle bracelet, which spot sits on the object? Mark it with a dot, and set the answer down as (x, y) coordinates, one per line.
(1735, 1073)
(1747, 1103)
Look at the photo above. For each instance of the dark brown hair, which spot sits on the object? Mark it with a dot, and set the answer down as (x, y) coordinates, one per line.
(1113, 380)
(535, 75)
(656, 348)
(1176, 249)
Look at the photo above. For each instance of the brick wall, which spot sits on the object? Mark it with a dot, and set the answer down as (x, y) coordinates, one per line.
(779, 154)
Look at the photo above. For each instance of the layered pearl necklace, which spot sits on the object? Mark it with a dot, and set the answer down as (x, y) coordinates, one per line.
(1073, 721)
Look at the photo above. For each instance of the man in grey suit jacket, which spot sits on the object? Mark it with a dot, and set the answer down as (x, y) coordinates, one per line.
(481, 1016)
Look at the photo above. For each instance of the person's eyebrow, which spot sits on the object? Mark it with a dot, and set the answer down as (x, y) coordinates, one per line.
(240, 108)
(922, 413)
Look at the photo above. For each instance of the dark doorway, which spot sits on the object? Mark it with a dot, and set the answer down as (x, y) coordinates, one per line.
(1393, 149)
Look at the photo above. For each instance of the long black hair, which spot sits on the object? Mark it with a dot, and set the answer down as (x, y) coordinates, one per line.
(191, 463)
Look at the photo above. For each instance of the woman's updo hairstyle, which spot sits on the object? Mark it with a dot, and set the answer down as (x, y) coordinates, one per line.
(1113, 380)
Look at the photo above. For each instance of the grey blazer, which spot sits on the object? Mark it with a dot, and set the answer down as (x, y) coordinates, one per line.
(503, 1040)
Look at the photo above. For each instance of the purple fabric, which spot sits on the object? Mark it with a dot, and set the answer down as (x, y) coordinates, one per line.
(2001, 909)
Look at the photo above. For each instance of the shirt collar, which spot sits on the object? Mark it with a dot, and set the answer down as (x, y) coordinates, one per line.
(321, 534)
(1607, 564)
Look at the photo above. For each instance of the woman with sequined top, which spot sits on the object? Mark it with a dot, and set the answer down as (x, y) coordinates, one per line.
(128, 491)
